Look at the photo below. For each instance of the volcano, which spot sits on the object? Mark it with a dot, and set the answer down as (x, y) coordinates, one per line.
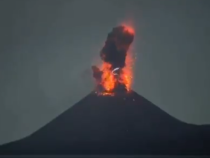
(125, 124)
(113, 119)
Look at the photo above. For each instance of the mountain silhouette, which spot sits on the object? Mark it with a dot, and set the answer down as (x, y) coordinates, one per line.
(126, 124)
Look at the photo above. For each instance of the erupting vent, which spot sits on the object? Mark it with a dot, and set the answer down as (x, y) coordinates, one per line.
(115, 74)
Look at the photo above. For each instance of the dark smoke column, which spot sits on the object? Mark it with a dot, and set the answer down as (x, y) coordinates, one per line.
(114, 52)
(116, 46)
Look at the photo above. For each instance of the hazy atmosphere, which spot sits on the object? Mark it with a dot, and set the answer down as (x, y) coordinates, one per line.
(47, 49)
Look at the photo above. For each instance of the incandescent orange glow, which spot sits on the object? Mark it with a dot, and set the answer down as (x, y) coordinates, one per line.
(129, 29)
(109, 81)
(127, 72)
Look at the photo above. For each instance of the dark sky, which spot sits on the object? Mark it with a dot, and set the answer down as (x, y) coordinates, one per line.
(47, 48)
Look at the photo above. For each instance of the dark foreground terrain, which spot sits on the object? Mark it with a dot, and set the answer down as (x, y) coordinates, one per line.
(126, 124)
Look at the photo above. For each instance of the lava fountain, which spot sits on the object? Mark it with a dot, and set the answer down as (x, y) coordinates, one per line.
(115, 74)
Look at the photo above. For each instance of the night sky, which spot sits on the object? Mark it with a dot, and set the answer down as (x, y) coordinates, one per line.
(47, 48)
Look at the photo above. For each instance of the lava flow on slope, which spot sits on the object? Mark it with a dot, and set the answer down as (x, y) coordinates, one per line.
(114, 76)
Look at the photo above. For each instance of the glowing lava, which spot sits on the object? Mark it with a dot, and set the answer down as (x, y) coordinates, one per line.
(115, 56)
(127, 72)
(108, 79)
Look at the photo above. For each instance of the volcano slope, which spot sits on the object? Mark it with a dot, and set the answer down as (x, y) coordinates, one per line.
(123, 125)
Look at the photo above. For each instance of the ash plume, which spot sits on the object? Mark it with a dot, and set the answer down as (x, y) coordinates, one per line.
(96, 73)
(116, 46)
(115, 50)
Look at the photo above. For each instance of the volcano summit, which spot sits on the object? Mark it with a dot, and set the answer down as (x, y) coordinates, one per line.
(123, 124)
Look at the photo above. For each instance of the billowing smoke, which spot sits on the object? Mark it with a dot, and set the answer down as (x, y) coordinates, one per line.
(116, 46)
(97, 74)
(113, 54)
